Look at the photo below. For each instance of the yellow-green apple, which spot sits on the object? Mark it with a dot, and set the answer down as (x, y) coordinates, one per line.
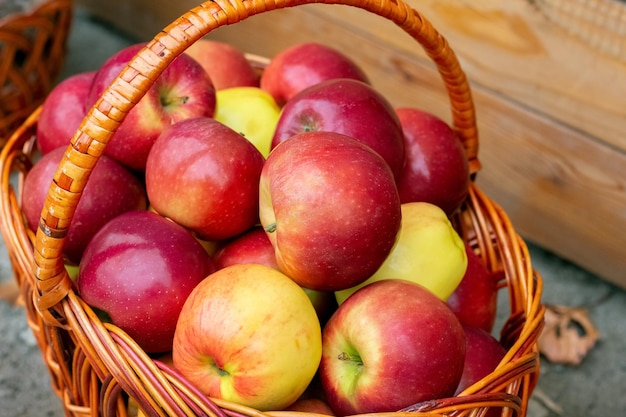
(390, 345)
(475, 299)
(226, 65)
(248, 334)
(205, 176)
(350, 107)
(254, 247)
(251, 112)
(305, 64)
(183, 90)
(62, 111)
(138, 270)
(483, 353)
(428, 251)
(330, 207)
(436, 169)
(111, 190)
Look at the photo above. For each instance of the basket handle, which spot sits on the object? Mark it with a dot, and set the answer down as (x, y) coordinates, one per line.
(103, 119)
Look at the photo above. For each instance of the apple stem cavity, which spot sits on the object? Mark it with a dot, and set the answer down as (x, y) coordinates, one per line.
(270, 228)
(168, 101)
(344, 356)
(221, 371)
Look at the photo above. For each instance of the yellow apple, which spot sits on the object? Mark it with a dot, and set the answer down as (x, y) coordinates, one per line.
(248, 334)
(428, 251)
(251, 112)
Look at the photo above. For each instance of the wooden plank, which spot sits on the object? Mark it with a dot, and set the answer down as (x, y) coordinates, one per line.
(551, 125)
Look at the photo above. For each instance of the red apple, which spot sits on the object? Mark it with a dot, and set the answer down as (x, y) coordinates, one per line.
(205, 176)
(62, 111)
(390, 345)
(226, 65)
(111, 190)
(138, 270)
(306, 64)
(436, 169)
(254, 247)
(475, 299)
(483, 354)
(248, 334)
(184, 90)
(350, 107)
(330, 207)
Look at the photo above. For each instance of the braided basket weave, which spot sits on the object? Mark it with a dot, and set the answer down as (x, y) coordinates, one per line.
(96, 368)
(32, 52)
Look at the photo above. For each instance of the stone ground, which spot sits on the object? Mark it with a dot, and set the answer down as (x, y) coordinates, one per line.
(592, 389)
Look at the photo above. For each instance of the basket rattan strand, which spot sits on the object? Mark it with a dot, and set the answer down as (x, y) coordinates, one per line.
(96, 368)
(32, 52)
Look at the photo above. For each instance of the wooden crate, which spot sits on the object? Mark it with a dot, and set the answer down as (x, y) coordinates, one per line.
(549, 82)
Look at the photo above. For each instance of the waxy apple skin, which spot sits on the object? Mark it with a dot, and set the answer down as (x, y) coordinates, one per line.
(62, 111)
(111, 190)
(249, 334)
(475, 299)
(350, 107)
(205, 176)
(183, 90)
(303, 65)
(254, 247)
(390, 345)
(249, 111)
(331, 209)
(428, 251)
(436, 169)
(226, 65)
(483, 354)
(139, 269)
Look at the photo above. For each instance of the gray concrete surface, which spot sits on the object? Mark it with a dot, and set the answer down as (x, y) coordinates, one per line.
(593, 389)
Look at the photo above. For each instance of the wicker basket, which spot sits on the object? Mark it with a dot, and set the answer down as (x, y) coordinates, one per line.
(96, 368)
(32, 52)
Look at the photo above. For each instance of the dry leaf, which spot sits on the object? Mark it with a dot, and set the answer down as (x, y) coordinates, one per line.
(568, 334)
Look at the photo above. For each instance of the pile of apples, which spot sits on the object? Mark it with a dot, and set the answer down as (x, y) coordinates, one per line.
(282, 237)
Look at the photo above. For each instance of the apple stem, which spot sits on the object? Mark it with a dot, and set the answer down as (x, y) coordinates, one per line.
(344, 356)
(270, 228)
(166, 102)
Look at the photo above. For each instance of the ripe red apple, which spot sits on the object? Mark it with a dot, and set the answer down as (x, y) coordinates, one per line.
(475, 299)
(111, 190)
(205, 176)
(330, 207)
(138, 270)
(350, 107)
(248, 334)
(62, 111)
(184, 90)
(300, 66)
(483, 354)
(436, 169)
(390, 345)
(226, 65)
(254, 247)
